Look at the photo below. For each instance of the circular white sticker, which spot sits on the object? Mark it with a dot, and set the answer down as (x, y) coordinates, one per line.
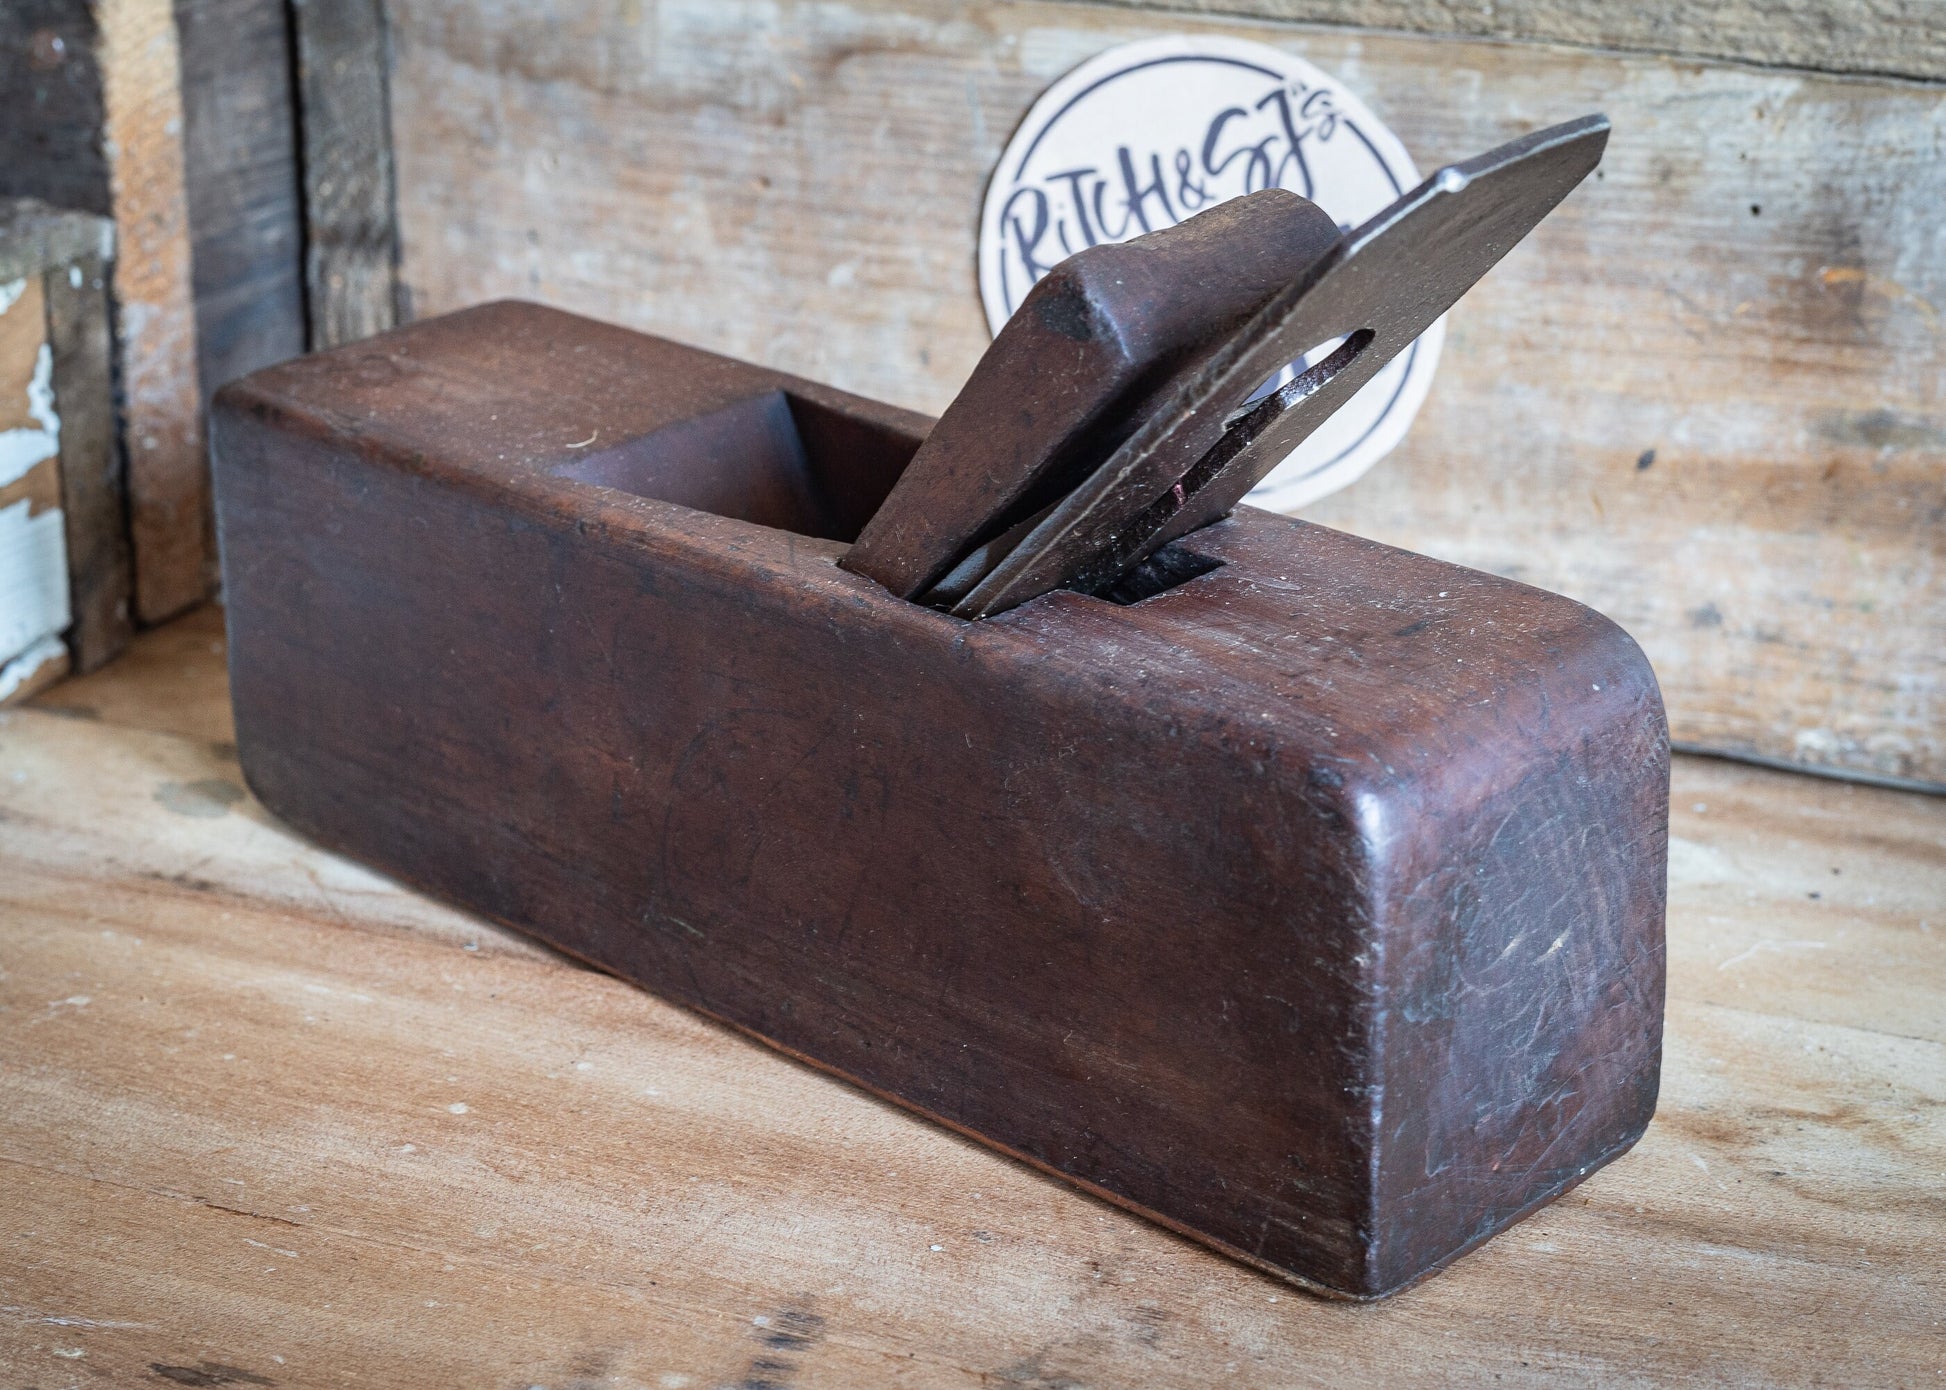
(1149, 133)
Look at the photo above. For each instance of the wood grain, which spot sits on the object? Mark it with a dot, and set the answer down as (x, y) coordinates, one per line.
(168, 477)
(23, 333)
(94, 480)
(242, 185)
(171, 681)
(50, 71)
(1706, 397)
(65, 255)
(351, 240)
(703, 757)
(1896, 37)
(36, 237)
(33, 562)
(176, 118)
(231, 1123)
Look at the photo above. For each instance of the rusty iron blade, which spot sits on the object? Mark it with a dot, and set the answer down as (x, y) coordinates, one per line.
(1199, 451)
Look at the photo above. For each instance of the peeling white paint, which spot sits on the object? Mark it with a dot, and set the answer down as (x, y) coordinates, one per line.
(33, 548)
(33, 580)
(27, 665)
(21, 449)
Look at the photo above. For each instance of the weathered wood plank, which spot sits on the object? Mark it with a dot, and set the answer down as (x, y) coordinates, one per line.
(177, 120)
(1708, 396)
(94, 483)
(33, 556)
(1893, 37)
(50, 71)
(242, 185)
(399, 692)
(351, 240)
(168, 476)
(35, 236)
(263, 1110)
(65, 256)
(23, 333)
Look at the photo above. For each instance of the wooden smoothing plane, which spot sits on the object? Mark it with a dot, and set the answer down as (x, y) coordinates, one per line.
(1301, 894)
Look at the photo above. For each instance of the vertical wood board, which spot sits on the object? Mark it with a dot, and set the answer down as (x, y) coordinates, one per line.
(241, 185)
(155, 302)
(1708, 397)
(1896, 37)
(167, 117)
(351, 240)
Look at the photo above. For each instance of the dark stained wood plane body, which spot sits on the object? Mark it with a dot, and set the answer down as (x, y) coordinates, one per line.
(1312, 906)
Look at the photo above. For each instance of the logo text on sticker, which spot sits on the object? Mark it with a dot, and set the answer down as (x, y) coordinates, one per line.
(1147, 134)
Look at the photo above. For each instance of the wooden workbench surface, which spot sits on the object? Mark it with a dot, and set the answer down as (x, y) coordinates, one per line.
(266, 1118)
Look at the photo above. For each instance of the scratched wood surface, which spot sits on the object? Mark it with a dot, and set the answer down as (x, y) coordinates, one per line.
(1708, 397)
(266, 1118)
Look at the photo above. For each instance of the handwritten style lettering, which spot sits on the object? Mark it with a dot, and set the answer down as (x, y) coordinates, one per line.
(1243, 149)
